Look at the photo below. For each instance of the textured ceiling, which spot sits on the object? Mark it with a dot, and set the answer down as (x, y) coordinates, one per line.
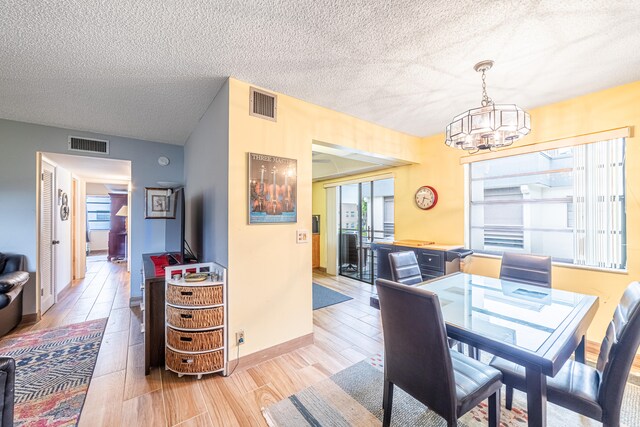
(149, 69)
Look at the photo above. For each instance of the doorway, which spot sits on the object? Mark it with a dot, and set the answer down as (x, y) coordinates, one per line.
(365, 215)
(63, 232)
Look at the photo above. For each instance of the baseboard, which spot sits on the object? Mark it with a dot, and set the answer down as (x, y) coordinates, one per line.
(269, 353)
(63, 292)
(321, 269)
(593, 350)
(135, 301)
(29, 319)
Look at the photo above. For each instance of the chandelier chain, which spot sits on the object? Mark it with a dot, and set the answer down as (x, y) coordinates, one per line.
(486, 101)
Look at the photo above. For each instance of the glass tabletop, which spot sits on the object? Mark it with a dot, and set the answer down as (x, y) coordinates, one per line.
(518, 314)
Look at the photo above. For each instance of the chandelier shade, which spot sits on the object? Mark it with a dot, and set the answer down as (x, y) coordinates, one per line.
(488, 126)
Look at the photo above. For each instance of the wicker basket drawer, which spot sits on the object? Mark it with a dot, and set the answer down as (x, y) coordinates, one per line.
(194, 295)
(195, 318)
(194, 363)
(195, 341)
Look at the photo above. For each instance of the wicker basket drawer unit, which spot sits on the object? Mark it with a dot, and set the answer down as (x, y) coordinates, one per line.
(194, 295)
(196, 318)
(194, 363)
(195, 341)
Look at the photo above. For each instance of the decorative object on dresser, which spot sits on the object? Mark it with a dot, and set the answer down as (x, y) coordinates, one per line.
(196, 319)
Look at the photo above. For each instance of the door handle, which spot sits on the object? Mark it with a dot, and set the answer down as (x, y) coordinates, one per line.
(55, 242)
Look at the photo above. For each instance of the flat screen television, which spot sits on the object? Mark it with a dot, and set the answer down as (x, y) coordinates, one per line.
(175, 238)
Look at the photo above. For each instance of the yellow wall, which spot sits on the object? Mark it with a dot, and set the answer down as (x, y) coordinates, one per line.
(440, 168)
(269, 273)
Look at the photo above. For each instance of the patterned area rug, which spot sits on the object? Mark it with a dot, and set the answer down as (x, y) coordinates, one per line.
(353, 397)
(53, 370)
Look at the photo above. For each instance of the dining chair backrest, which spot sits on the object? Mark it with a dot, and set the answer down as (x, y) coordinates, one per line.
(416, 351)
(525, 268)
(405, 268)
(617, 353)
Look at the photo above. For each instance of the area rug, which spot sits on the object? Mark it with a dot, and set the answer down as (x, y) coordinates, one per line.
(324, 297)
(53, 370)
(353, 397)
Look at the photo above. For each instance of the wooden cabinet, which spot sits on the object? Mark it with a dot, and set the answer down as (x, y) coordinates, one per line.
(315, 251)
(432, 262)
(152, 314)
(196, 320)
(117, 230)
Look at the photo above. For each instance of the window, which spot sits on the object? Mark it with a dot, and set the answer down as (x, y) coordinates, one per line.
(99, 212)
(568, 203)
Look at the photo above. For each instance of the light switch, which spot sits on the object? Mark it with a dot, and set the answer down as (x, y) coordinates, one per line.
(303, 236)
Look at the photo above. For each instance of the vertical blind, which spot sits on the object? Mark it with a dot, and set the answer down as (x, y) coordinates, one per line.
(566, 202)
(599, 204)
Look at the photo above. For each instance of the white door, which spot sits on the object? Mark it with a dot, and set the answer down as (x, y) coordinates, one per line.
(47, 211)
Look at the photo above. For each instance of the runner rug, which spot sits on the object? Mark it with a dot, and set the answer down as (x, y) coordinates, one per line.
(353, 397)
(53, 371)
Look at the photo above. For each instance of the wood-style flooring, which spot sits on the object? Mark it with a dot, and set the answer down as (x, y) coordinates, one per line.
(120, 393)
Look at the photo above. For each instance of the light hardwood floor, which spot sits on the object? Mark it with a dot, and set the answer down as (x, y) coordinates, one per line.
(120, 393)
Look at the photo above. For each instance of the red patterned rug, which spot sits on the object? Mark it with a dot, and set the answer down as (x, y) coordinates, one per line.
(53, 371)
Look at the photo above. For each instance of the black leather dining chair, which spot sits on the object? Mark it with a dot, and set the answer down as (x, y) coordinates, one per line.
(525, 268)
(405, 268)
(417, 358)
(593, 392)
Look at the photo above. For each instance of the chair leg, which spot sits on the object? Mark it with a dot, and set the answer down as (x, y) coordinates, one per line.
(509, 398)
(494, 409)
(387, 403)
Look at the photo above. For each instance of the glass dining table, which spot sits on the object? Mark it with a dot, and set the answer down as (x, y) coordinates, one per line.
(538, 328)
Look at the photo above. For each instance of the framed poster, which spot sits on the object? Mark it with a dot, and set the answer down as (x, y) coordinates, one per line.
(272, 189)
(159, 203)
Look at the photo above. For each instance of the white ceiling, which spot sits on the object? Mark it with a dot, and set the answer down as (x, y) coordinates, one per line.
(149, 69)
(327, 166)
(94, 169)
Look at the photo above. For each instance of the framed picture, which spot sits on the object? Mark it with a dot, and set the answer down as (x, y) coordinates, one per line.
(272, 189)
(159, 203)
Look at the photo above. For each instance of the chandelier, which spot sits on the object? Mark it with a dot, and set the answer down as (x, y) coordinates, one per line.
(489, 126)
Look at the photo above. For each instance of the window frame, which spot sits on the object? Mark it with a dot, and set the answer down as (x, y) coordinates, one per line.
(87, 202)
(531, 148)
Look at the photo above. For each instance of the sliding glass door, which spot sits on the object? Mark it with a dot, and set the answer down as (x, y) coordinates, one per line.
(366, 215)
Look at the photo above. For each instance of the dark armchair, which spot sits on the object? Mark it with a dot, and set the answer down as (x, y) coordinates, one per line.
(12, 280)
(7, 384)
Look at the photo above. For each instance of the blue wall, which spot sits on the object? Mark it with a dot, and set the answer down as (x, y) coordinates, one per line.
(19, 143)
(206, 155)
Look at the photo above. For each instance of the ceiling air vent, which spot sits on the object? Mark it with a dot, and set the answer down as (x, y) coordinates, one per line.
(88, 145)
(263, 104)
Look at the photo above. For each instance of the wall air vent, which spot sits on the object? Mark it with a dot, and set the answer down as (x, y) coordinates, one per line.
(263, 104)
(88, 145)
